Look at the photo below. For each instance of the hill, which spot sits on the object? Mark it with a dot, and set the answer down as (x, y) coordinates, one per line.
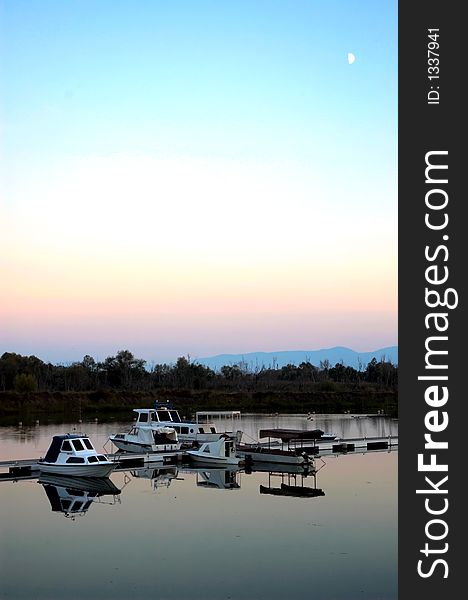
(334, 355)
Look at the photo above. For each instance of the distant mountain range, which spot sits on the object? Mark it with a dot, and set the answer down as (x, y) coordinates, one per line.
(335, 355)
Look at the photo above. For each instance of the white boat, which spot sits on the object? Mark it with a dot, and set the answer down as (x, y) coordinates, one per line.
(221, 452)
(147, 439)
(326, 437)
(73, 454)
(187, 431)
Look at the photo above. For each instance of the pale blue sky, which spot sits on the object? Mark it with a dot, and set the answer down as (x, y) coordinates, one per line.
(245, 88)
(244, 79)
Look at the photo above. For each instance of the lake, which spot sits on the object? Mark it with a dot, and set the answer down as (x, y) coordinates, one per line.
(181, 533)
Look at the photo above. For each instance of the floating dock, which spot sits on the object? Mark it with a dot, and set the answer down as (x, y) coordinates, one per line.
(29, 469)
(343, 445)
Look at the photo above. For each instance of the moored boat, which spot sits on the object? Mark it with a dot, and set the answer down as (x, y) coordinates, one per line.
(291, 451)
(147, 439)
(74, 454)
(222, 451)
(187, 431)
(257, 453)
(297, 437)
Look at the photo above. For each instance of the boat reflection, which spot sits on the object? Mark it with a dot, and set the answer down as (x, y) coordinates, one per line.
(292, 482)
(73, 496)
(221, 479)
(268, 467)
(159, 476)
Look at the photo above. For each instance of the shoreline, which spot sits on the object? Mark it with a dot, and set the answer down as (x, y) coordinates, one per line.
(93, 403)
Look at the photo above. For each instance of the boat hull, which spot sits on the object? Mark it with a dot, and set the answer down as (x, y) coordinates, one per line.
(213, 460)
(99, 470)
(268, 456)
(138, 448)
(326, 437)
(201, 438)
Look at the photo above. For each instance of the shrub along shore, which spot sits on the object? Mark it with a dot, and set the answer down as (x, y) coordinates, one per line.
(100, 402)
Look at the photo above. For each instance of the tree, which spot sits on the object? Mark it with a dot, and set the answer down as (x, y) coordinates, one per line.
(25, 382)
(124, 370)
(88, 363)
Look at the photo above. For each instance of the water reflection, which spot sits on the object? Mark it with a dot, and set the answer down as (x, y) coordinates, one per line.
(73, 496)
(175, 520)
(292, 484)
(160, 477)
(344, 426)
(220, 479)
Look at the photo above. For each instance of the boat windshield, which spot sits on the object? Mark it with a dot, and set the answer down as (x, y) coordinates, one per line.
(164, 415)
(174, 416)
(78, 445)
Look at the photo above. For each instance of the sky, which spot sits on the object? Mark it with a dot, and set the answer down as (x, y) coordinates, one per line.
(197, 177)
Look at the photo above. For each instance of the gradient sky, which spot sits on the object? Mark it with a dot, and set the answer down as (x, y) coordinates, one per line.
(197, 177)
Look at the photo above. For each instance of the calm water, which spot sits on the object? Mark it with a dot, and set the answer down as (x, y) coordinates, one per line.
(184, 534)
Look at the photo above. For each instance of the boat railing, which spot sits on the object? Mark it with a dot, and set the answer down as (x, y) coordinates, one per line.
(220, 414)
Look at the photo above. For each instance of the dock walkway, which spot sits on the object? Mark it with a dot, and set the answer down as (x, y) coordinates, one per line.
(123, 461)
(28, 466)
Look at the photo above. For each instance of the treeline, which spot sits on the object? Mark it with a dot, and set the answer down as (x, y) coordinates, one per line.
(125, 372)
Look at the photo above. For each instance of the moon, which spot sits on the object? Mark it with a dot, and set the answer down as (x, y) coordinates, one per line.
(351, 58)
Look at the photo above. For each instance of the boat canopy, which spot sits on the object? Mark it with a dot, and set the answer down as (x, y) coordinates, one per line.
(287, 435)
(56, 444)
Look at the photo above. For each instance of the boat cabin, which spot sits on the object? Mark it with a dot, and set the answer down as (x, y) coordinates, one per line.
(150, 417)
(220, 451)
(73, 449)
